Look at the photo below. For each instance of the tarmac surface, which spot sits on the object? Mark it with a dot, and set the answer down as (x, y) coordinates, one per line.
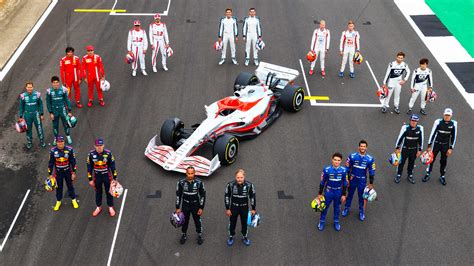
(425, 223)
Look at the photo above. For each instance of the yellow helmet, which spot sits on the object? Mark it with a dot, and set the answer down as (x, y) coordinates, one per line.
(50, 183)
(318, 204)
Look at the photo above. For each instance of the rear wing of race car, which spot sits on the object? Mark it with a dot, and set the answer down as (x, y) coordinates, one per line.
(266, 71)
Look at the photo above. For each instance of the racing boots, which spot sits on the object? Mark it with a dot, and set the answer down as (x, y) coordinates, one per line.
(323, 73)
(68, 138)
(154, 69)
(321, 225)
(396, 110)
(337, 226)
(426, 177)
(397, 179)
(341, 74)
(246, 241)
(256, 62)
(144, 72)
(247, 61)
(29, 145)
(165, 68)
(345, 212)
(442, 180)
(352, 75)
(423, 112)
(183, 239)
(54, 142)
(101, 102)
(56, 207)
(409, 111)
(361, 215)
(221, 62)
(134, 73)
(234, 61)
(111, 211)
(311, 72)
(42, 144)
(384, 109)
(89, 104)
(75, 205)
(230, 241)
(411, 179)
(96, 211)
(200, 240)
(78, 104)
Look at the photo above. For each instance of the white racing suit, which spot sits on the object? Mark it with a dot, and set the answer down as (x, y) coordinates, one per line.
(421, 80)
(228, 32)
(319, 44)
(252, 30)
(349, 45)
(392, 78)
(159, 39)
(137, 42)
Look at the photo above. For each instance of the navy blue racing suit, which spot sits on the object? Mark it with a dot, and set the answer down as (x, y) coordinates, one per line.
(334, 183)
(62, 163)
(101, 169)
(358, 165)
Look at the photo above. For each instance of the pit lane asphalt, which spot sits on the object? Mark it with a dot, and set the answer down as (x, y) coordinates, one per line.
(424, 223)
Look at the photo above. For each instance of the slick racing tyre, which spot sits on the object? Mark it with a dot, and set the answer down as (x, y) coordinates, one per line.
(170, 132)
(245, 79)
(292, 98)
(226, 147)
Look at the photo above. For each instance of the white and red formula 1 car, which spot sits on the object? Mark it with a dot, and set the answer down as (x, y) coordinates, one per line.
(257, 102)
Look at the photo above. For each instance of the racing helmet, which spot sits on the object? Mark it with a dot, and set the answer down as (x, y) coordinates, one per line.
(20, 126)
(129, 58)
(427, 157)
(169, 52)
(395, 158)
(253, 220)
(318, 204)
(71, 121)
(357, 58)
(369, 194)
(382, 92)
(431, 96)
(104, 85)
(50, 184)
(218, 46)
(311, 56)
(177, 219)
(116, 189)
(259, 44)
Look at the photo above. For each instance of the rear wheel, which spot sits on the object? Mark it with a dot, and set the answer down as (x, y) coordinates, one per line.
(171, 131)
(245, 79)
(226, 147)
(292, 98)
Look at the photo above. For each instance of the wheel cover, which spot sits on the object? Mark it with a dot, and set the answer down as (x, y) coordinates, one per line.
(299, 98)
(231, 151)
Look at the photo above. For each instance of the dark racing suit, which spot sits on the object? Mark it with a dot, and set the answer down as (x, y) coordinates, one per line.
(410, 141)
(358, 165)
(190, 197)
(59, 105)
(31, 108)
(443, 135)
(101, 169)
(62, 163)
(236, 200)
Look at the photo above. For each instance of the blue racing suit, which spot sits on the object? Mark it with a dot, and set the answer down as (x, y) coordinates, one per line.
(358, 165)
(334, 183)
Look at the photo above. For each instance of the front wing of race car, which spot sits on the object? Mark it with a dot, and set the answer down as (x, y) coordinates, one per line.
(170, 160)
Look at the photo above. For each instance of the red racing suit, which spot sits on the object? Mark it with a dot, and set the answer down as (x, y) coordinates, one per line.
(93, 71)
(70, 68)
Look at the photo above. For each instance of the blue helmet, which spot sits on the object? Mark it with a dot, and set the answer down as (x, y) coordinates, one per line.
(253, 220)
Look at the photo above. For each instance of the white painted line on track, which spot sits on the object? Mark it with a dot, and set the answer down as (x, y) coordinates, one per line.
(14, 220)
(375, 79)
(164, 13)
(27, 40)
(306, 82)
(117, 228)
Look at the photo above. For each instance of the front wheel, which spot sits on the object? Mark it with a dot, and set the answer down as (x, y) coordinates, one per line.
(226, 147)
(170, 132)
(292, 98)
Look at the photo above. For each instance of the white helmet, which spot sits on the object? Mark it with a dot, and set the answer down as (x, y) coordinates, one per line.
(369, 194)
(104, 85)
(259, 44)
(218, 46)
(116, 190)
(169, 52)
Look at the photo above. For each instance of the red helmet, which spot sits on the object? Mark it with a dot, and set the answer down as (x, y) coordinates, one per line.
(21, 126)
(137, 23)
(157, 16)
(129, 58)
(431, 96)
(311, 56)
(427, 157)
(382, 92)
(218, 46)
